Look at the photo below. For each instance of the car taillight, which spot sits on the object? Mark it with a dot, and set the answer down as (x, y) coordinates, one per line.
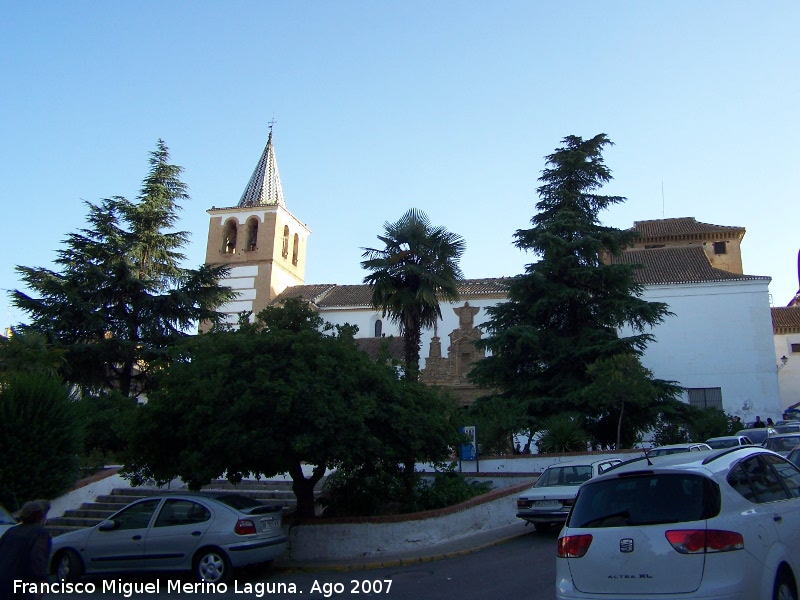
(244, 527)
(700, 541)
(522, 503)
(573, 546)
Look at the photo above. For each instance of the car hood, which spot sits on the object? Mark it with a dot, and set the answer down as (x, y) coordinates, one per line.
(72, 538)
(554, 491)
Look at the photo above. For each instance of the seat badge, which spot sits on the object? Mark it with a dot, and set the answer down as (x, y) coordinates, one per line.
(626, 545)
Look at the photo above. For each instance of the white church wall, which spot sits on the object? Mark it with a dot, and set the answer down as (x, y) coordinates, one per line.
(789, 374)
(720, 336)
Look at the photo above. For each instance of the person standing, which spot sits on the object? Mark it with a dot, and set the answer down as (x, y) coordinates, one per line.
(759, 422)
(25, 550)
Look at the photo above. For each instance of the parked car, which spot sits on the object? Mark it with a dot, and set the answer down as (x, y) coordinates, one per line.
(787, 427)
(6, 520)
(207, 534)
(677, 448)
(549, 501)
(758, 434)
(718, 524)
(729, 441)
(794, 456)
(782, 443)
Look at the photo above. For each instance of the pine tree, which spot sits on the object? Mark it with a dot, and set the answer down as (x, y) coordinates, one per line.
(120, 297)
(566, 311)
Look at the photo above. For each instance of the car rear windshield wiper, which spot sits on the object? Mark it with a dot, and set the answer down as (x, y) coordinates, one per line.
(623, 515)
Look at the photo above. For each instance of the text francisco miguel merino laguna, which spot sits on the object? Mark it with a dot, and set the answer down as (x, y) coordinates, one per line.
(127, 588)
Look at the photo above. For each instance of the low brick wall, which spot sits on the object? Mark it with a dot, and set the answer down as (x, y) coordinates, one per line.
(378, 537)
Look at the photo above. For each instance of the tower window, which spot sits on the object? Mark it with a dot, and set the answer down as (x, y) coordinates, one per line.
(252, 234)
(295, 249)
(285, 251)
(378, 328)
(720, 248)
(229, 238)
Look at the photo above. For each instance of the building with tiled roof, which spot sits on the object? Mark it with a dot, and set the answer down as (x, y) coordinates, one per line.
(718, 343)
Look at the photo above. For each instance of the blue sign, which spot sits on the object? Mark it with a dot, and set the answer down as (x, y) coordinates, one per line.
(469, 451)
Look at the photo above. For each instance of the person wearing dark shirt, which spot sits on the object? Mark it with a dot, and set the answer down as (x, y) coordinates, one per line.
(759, 422)
(25, 550)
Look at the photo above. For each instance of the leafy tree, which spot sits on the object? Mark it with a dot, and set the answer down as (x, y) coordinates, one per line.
(30, 353)
(284, 391)
(120, 298)
(566, 311)
(624, 391)
(39, 438)
(416, 268)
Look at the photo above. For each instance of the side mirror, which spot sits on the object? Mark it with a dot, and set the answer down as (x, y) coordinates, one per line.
(107, 525)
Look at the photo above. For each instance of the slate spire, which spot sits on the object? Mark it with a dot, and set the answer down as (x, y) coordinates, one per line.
(264, 187)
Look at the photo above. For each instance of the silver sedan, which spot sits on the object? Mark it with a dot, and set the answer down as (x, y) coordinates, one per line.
(207, 534)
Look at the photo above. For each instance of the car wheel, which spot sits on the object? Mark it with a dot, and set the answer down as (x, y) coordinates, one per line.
(784, 587)
(541, 527)
(68, 566)
(211, 565)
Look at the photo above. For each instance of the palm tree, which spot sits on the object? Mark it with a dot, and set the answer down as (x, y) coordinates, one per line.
(417, 268)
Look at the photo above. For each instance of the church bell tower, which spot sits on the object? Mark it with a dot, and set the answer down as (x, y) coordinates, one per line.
(259, 239)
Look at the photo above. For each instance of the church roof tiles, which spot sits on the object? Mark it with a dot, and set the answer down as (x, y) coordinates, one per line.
(682, 264)
(683, 228)
(786, 319)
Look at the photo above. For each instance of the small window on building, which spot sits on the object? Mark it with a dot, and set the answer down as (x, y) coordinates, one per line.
(252, 234)
(650, 246)
(795, 347)
(720, 248)
(295, 249)
(378, 328)
(705, 397)
(285, 250)
(229, 238)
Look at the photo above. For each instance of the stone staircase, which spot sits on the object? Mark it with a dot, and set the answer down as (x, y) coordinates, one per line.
(269, 491)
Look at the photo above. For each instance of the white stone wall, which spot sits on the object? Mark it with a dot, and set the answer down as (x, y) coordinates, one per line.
(789, 375)
(721, 336)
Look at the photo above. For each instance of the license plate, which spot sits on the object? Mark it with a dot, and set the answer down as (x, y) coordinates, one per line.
(269, 524)
(546, 504)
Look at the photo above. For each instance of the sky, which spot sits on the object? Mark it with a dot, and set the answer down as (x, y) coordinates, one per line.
(448, 107)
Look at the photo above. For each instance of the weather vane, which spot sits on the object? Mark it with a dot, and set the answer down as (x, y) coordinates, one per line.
(272, 123)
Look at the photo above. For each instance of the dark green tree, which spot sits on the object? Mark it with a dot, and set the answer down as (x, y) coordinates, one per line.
(415, 270)
(628, 400)
(29, 353)
(284, 391)
(120, 297)
(566, 311)
(39, 438)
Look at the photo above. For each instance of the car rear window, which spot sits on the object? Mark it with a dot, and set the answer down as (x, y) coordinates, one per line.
(566, 475)
(645, 499)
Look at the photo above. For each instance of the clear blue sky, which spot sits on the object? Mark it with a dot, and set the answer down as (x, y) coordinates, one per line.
(445, 106)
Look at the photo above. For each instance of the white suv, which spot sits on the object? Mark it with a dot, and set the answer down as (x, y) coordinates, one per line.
(720, 524)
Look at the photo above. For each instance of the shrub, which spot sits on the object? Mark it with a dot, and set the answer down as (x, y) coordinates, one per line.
(360, 494)
(39, 438)
(563, 433)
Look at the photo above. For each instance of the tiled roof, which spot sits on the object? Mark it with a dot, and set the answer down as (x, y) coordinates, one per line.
(786, 319)
(360, 296)
(264, 187)
(372, 345)
(684, 264)
(312, 293)
(683, 228)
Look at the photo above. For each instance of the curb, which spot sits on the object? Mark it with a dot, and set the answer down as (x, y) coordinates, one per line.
(389, 563)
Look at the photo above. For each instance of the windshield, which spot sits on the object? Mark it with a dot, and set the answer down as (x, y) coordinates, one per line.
(666, 451)
(717, 444)
(783, 444)
(568, 475)
(5, 518)
(646, 500)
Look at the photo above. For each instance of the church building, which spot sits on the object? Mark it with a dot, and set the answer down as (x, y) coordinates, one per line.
(719, 345)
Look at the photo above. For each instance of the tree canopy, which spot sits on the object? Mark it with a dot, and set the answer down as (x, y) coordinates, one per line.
(414, 271)
(120, 297)
(566, 311)
(278, 393)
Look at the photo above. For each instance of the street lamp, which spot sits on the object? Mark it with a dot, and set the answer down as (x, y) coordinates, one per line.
(784, 360)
